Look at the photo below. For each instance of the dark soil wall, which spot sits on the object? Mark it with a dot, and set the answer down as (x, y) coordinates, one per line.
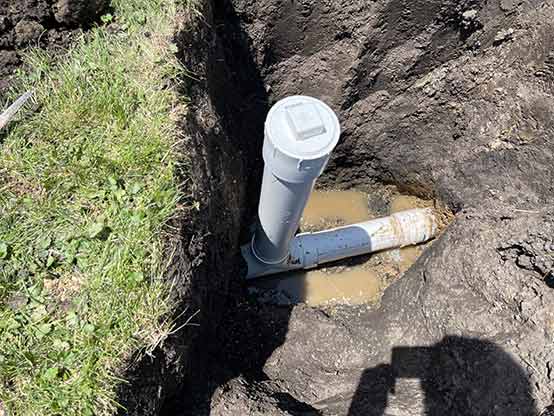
(44, 23)
(220, 171)
(428, 97)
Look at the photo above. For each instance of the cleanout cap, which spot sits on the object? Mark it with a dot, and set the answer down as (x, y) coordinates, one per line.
(300, 134)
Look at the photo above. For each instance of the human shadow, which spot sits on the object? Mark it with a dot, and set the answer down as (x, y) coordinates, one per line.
(458, 376)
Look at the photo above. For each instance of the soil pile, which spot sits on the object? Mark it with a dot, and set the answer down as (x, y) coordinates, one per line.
(43, 23)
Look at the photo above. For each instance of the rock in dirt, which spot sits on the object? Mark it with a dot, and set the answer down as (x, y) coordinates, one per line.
(503, 36)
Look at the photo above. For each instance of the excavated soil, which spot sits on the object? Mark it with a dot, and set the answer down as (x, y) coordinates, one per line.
(44, 23)
(440, 99)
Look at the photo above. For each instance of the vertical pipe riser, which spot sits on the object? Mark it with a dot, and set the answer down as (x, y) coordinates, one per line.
(300, 134)
(273, 237)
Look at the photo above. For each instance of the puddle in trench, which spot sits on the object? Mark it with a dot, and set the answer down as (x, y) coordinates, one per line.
(318, 288)
(333, 209)
(355, 282)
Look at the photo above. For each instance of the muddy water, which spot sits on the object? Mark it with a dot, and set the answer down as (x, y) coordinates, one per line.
(362, 283)
(320, 287)
(334, 208)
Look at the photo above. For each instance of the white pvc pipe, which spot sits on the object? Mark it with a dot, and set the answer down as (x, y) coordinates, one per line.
(300, 134)
(309, 250)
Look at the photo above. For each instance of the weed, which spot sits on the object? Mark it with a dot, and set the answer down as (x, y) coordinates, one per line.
(86, 186)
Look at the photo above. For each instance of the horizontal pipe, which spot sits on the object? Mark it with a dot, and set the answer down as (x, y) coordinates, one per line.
(309, 250)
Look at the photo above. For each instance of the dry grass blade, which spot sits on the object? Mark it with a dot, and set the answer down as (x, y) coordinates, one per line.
(12, 110)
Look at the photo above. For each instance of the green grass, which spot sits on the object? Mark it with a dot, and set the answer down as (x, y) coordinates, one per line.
(86, 186)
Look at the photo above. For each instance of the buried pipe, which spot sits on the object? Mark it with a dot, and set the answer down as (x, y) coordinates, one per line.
(300, 134)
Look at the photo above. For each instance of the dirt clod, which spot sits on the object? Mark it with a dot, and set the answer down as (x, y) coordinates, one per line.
(42, 23)
(26, 32)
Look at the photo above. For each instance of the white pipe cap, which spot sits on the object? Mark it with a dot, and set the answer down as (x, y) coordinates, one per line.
(300, 134)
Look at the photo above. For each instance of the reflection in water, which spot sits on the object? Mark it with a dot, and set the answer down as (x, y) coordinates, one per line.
(360, 284)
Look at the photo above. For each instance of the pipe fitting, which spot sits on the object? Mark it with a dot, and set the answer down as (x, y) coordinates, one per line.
(300, 134)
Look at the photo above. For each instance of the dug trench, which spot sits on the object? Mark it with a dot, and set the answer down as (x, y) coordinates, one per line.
(442, 100)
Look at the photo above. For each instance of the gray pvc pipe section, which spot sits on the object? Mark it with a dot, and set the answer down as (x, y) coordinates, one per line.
(280, 211)
(310, 250)
(300, 134)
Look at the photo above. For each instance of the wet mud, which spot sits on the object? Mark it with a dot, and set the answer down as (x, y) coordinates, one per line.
(356, 281)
